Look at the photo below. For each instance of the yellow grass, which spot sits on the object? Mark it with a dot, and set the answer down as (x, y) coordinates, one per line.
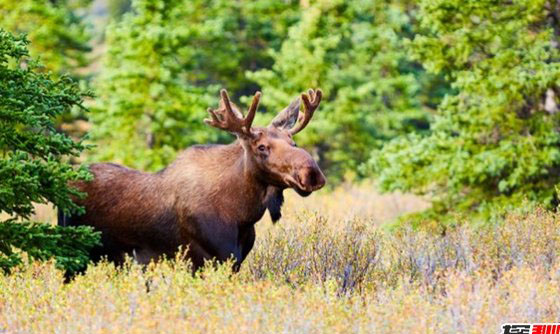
(355, 201)
(315, 273)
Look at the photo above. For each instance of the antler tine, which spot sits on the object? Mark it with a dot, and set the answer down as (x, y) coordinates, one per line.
(226, 102)
(310, 106)
(252, 110)
(232, 120)
(214, 120)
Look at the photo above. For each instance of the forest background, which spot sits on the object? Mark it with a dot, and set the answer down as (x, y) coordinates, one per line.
(454, 102)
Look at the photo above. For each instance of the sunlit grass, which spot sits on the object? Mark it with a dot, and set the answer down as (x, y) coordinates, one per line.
(312, 273)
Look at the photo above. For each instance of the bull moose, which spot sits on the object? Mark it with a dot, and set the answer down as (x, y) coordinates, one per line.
(210, 197)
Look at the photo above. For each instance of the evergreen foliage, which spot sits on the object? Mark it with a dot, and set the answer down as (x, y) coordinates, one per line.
(166, 61)
(69, 246)
(33, 159)
(58, 34)
(384, 67)
(496, 141)
(354, 51)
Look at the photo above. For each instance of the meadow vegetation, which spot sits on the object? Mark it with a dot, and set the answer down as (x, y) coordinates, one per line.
(313, 274)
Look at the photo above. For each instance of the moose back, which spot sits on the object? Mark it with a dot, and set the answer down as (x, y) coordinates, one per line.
(210, 197)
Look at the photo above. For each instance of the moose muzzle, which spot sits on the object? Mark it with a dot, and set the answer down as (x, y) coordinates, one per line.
(309, 178)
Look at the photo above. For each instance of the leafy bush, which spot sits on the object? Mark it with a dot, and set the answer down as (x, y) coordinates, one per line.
(354, 255)
(33, 162)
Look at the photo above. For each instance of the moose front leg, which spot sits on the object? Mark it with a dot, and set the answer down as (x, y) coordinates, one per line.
(197, 255)
(217, 242)
(246, 242)
(236, 245)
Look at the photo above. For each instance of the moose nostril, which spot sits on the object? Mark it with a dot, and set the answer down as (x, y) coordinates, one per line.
(311, 178)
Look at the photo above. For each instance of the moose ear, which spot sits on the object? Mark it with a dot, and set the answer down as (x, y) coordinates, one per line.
(287, 118)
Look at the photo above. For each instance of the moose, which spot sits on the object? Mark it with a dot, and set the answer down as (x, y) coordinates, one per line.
(209, 199)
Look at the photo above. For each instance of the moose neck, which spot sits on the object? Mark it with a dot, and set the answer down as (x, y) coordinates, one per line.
(241, 181)
(227, 178)
(251, 184)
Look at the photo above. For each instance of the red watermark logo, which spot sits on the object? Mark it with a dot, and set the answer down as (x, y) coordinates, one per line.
(531, 328)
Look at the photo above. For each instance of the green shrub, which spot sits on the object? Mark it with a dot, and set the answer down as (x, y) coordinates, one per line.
(69, 246)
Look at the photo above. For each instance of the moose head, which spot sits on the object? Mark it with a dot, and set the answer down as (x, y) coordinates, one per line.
(272, 150)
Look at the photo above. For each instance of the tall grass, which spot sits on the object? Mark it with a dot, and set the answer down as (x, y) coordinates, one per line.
(313, 274)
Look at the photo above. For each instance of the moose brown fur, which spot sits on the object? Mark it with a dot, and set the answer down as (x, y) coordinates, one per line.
(209, 198)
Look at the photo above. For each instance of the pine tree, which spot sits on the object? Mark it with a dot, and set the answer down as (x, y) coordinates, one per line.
(165, 63)
(34, 164)
(495, 142)
(58, 34)
(354, 51)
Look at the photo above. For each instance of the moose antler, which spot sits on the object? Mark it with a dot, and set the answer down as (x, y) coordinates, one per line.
(231, 120)
(311, 103)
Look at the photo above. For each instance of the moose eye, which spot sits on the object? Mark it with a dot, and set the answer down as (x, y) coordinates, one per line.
(262, 148)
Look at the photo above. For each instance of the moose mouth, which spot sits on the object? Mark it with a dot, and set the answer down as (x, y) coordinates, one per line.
(301, 192)
(296, 184)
